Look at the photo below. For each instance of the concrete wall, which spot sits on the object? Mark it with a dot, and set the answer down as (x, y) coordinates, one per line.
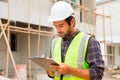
(39, 12)
(21, 55)
(23, 46)
(117, 54)
(3, 54)
(110, 9)
(115, 17)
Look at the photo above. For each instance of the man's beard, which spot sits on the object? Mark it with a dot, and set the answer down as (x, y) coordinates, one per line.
(67, 34)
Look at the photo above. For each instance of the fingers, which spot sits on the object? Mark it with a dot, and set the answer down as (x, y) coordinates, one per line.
(55, 67)
(50, 74)
(61, 69)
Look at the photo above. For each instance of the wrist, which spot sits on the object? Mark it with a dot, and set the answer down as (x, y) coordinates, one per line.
(69, 70)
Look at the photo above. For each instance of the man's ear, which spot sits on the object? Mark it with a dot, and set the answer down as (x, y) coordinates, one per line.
(72, 21)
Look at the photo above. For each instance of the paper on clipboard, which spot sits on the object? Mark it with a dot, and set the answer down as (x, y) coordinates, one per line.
(44, 62)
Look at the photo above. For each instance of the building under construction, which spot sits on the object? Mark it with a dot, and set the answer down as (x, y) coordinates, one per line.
(25, 32)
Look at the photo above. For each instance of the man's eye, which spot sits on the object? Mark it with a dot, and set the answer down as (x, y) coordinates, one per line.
(61, 26)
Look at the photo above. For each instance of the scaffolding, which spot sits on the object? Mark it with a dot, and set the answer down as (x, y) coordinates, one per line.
(30, 30)
(106, 31)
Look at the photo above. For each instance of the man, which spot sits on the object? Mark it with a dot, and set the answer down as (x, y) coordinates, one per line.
(78, 54)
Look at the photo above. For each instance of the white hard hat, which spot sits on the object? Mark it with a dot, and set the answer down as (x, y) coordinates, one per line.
(60, 11)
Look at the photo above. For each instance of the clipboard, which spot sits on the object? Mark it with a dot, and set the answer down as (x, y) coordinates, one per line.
(44, 62)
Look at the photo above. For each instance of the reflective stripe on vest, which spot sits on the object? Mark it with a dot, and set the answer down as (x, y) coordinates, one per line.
(75, 55)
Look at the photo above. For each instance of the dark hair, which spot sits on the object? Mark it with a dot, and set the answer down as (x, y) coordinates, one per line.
(69, 19)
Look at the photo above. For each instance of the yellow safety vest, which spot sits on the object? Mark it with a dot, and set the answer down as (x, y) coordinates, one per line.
(75, 55)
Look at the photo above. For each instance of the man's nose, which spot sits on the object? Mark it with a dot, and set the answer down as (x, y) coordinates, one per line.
(58, 29)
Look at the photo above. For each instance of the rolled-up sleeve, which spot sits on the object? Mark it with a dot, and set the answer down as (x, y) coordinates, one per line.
(95, 60)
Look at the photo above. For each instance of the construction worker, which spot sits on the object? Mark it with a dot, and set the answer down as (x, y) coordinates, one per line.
(78, 54)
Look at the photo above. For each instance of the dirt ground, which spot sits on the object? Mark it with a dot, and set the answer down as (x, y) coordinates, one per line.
(108, 76)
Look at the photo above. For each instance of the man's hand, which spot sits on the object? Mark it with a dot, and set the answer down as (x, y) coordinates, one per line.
(66, 69)
(61, 69)
(50, 74)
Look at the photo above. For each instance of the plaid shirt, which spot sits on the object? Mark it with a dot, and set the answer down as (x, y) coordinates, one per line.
(93, 56)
